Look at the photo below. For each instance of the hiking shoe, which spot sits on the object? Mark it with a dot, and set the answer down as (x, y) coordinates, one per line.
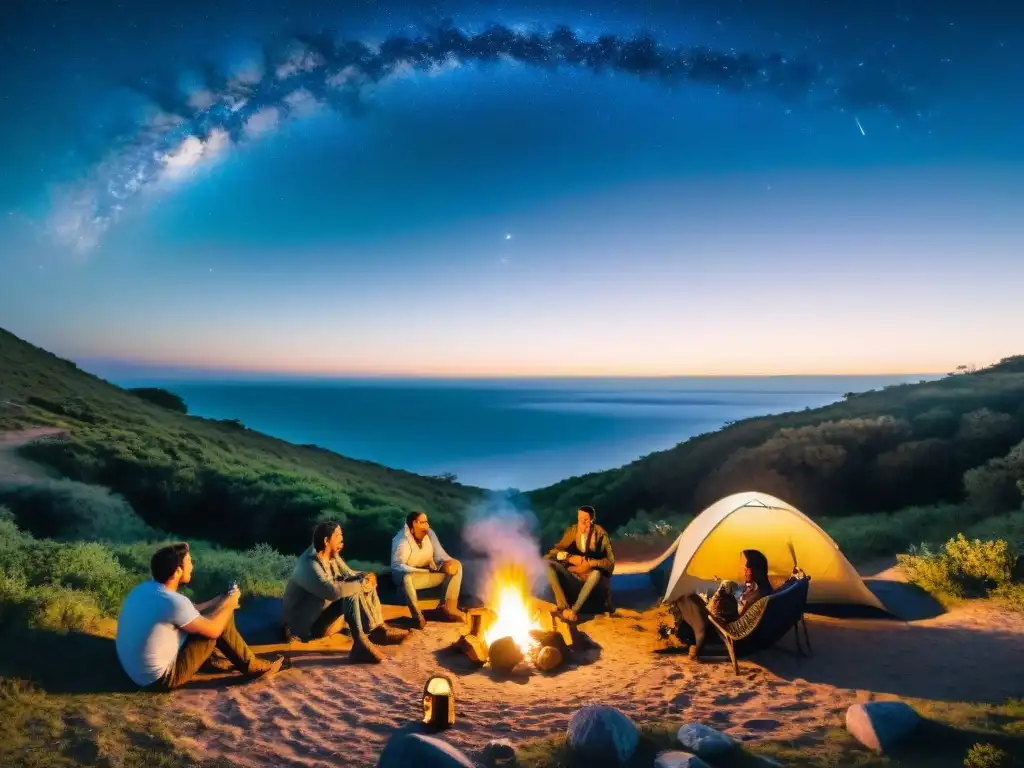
(262, 668)
(389, 635)
(451, 612)
(365, 652)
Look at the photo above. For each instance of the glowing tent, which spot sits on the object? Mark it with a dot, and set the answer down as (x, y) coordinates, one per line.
(709, 551)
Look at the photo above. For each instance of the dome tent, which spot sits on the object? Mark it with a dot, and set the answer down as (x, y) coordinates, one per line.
(709, 551)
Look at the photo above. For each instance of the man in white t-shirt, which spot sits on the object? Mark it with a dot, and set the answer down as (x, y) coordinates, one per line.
(418, 561)
(163, 638)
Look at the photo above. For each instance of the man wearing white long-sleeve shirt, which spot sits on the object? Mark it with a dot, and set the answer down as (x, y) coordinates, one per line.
(418, 561)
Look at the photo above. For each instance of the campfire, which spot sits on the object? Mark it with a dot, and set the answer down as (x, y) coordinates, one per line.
(510, 602)
(514, 627)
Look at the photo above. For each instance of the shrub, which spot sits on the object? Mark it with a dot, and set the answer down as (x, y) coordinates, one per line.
(987, 756)
(1009, 527)
(862, 537)
(963, 568)
(66, 510)
(71, 585)
(646, 525)
(162, 397)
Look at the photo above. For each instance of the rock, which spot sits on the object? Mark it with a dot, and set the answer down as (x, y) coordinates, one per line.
(881, 725)
(548, 658)
(679, 760)
(405, 749)
(601, 733)
(499, 754)
(474, 647)
(504, 655)
(704, 741)
(552, 638)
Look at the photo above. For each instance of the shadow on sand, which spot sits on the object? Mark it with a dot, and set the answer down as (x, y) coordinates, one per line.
(56, 662)
(888, 656)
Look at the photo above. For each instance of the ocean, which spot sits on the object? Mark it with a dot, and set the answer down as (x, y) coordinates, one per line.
(512, 433)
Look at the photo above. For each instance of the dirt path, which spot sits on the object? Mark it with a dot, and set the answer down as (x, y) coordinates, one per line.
(15, 469)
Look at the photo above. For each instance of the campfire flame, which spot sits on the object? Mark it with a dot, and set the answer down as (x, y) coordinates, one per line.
(509, 599)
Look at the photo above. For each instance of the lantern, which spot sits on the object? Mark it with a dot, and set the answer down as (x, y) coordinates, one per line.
(439, 702)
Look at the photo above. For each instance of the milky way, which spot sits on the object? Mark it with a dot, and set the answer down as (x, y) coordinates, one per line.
(185, 129)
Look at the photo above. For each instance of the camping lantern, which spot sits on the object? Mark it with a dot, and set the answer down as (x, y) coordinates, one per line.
(439, 702)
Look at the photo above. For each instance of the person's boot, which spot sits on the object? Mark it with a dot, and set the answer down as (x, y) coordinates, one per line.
(451, 612)
(419, 621)
(364, 651)
(262, 668)
(386, 635)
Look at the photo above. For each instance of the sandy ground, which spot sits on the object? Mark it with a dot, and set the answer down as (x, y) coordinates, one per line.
(325, 712)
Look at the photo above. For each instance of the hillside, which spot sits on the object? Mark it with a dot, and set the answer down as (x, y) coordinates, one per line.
(945, 441)
(211, 479)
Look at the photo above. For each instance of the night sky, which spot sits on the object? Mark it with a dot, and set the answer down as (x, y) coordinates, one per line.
(772, 186)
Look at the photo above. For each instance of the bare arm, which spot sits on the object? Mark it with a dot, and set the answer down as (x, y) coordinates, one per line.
(210, 604)
(213, 626)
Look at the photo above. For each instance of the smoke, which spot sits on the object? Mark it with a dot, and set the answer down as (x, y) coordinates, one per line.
(185, 130)
(502, 533)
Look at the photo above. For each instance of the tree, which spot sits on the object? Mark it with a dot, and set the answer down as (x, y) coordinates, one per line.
(162, 397)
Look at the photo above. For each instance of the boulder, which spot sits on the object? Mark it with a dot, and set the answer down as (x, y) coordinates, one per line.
(881, 725)
(602, 734)
(504, 655)
(704, 741)
(499, 753)
(679, 760)
(405, 749)
(548, 658)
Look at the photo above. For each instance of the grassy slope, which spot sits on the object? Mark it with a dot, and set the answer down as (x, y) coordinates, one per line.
(878, 451)
(200, 477)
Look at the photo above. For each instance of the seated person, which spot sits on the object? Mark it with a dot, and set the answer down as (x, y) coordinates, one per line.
(580, 561)
(692, 612)
(163, 638)
(324, 593)
(418, 561)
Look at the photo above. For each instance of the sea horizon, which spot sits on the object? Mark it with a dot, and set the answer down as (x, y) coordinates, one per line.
(503, 432)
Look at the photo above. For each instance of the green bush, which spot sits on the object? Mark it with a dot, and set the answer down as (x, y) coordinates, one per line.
(70, 585)
(162, 397)
(1009, 527)
(863, 537)
(987, 756)
(996, 485)
(70, 511)
(646, 524)
(964, 568)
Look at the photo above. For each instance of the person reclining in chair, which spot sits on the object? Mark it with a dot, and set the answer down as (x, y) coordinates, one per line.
(418, 561)
(324, 593)
(692, 612)
(163, 638)
(587, 550)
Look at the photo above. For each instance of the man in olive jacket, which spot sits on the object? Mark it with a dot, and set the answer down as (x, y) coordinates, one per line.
(324, 593)
(579, 562)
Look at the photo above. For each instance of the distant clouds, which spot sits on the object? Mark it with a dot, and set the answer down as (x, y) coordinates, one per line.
(187, 129)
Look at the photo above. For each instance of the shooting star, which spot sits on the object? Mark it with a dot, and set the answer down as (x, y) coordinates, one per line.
(857, 120)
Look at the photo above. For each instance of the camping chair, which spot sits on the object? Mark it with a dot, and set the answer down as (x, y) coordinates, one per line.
(766, 622)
